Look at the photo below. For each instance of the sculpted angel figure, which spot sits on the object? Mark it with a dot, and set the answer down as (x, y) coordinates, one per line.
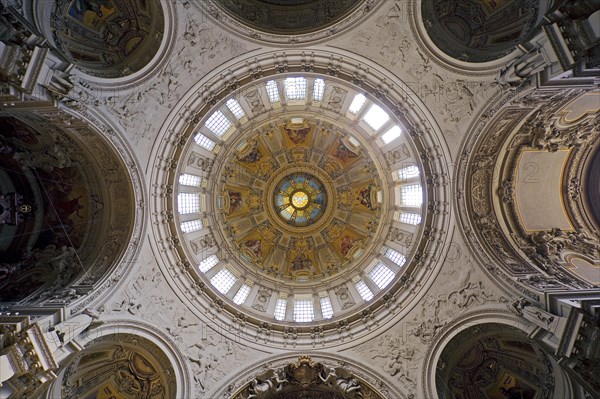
(270, 386)
(331, 377)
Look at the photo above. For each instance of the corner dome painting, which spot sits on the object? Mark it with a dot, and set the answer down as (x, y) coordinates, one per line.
(480, 31)
(108, 38)
(288, 17)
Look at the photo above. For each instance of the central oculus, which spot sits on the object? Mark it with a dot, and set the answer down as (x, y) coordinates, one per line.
(300, 199)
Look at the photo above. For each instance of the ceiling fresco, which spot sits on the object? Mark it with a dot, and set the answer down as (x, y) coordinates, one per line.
(108, 38)
(309, 196)
(120, 366)
(49, 205)
(288, 17)
(479, 31)
(494, 361)
(59, 232)
(305, 212)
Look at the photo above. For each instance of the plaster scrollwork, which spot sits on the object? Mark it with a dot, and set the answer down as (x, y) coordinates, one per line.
(464, 293)
(157, 88)
(205, 164)
(388, 35)
(210, 354)
(343, 295)
(203, 243)
(394, 358)
(397, 155)
(213, 358)
(400, 237)
(548, 136)
(261, 301)
(202, 43)
(398, 353)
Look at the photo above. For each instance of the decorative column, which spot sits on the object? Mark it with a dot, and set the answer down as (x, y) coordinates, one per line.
(29, 357)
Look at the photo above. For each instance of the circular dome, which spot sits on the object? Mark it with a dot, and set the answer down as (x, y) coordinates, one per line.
(479, 31)
(288, 17)
(300, 199)
(108, 39)
(288, 195)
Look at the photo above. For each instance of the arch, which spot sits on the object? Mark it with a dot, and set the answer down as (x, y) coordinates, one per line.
(133, 342)
(506, 147)
(475, 320)
(73, 211)
(295, 368)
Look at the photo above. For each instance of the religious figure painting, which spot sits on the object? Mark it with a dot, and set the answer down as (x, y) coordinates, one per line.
(297, 136)
(235, 201)
(301, 262)
(346, 244)
(255, 247)
(343, 153)
(364, 197)
(253, 156)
